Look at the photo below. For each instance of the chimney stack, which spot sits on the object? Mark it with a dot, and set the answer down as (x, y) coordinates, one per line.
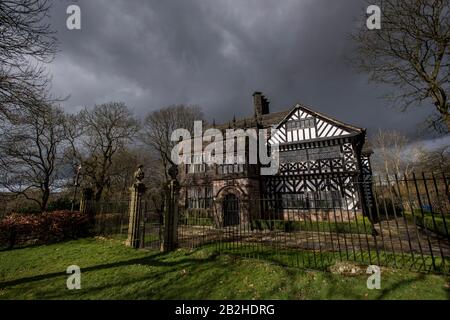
(260, 103)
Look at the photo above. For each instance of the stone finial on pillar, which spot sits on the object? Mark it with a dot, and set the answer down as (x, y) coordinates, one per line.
(170, 234)
(135, 210)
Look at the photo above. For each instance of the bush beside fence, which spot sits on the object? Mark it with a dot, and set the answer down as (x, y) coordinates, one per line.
(50, 227)
(434, 222)
(317, 226)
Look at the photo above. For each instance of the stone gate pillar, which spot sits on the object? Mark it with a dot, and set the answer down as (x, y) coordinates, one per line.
(170, 234)
(135, 210)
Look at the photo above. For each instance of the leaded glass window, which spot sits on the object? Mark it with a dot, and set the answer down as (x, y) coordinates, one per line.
(301, 155)
(300, 124)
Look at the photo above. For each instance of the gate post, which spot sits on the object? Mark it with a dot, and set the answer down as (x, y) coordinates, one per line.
(135, 212)
(170, 234)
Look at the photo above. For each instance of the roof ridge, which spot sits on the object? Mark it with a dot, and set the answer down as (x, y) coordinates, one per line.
(287, 113)
(329, 118)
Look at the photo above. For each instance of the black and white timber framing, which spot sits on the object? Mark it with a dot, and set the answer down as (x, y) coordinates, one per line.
(324, 157)
(323, 165)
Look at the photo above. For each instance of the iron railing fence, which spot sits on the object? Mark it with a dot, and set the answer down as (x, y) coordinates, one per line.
(111, 218)
(404, 224)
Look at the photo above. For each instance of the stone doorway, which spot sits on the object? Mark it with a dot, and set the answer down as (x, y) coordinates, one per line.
(230, 210)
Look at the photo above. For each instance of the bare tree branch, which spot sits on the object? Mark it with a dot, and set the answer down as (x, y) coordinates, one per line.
(31, 153)
(159, 125)
(26, 43)
(411, 51)
(96, 136)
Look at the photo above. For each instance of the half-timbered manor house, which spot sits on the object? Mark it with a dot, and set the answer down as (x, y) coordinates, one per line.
(323, 166)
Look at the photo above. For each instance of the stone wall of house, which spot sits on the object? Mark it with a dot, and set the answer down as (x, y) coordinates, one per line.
(244, 189)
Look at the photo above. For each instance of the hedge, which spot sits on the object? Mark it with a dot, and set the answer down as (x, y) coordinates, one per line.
(438, 226)
(18, 229)
(322, 226)
(426, 221)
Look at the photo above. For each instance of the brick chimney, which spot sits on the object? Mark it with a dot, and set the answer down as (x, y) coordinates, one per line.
(260, 103)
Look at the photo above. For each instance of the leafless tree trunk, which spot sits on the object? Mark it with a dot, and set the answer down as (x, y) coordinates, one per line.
(159, 125)
(411, 52)
(96, 136)
(26, 42)
(31, 151)
(437, 160)
(393, 154)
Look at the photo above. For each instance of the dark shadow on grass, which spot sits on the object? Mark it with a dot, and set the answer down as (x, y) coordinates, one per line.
(153, 260)
(40, 244)
(16, 248)
(333, 280)
(165, 283)
(400, 284)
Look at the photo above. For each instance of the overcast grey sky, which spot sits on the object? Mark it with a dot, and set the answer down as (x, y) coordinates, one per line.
(151, 54)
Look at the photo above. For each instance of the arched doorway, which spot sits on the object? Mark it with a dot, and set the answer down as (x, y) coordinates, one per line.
(230, 207)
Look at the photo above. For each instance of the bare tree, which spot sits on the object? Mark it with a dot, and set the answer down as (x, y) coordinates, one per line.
(159, 125)
(436, 160)
(96, 136)
(26, 42)
(31, 154)
(394, 154)
(124, 164)
(411, 52)
(121, 173)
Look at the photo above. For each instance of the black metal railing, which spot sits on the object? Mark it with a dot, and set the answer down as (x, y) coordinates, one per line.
(110, 217)
(405, 225)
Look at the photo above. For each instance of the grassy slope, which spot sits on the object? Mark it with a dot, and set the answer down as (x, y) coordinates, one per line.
(112, 271)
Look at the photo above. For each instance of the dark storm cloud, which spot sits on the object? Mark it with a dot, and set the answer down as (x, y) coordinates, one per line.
(151, 54)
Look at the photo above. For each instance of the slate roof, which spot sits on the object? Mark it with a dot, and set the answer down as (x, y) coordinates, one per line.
(266, 120)
(275, 118)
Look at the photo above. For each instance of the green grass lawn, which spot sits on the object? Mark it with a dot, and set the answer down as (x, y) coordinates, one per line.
(112, 271)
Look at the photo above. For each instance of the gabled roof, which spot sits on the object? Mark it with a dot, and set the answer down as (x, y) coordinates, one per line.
(278, 118)
(266, 120)
(337, 123)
